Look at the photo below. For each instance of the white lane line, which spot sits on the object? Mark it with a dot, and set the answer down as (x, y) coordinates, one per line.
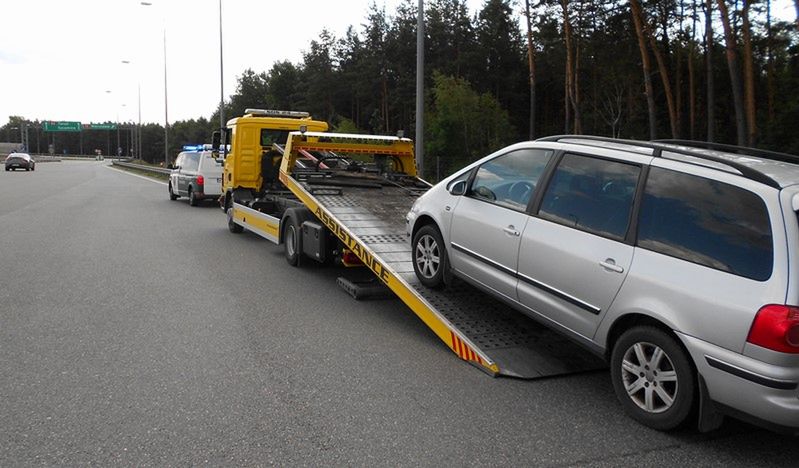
(137, 175)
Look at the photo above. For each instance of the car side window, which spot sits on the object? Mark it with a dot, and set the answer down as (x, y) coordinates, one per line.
(591, 194)
(179, 160)
(510, 180)
(707, 222)
(191, 162)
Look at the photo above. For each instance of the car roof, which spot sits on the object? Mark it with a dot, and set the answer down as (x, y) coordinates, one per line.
(784, 173)
(775, 169)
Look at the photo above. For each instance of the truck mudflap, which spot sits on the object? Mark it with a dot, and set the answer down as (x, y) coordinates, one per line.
(477, 328)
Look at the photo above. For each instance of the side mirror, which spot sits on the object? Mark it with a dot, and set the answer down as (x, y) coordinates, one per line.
(458, 188)
(216, 141)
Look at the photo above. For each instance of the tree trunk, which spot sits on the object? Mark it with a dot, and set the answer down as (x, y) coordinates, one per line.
(531, 65)
(578, 117)
(645, 63)
(770, 68)
(749, 78)
(664, 77)
(796, 4)
(691, 79)
(711, 87)
(567, 33)
(735, 74)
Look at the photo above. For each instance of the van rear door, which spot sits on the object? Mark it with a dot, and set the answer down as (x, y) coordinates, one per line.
(211, 170)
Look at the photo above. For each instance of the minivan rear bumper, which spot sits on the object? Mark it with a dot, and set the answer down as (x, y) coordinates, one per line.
(762, 393)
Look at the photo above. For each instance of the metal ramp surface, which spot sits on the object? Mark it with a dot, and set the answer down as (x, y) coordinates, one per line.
(517, 345)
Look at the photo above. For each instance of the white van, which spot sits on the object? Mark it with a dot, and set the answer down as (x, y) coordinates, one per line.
(197, 175)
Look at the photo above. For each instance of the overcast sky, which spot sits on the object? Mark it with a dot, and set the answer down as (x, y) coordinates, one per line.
(62, 59)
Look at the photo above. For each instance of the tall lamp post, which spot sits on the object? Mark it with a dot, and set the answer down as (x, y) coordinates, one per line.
(108, 134)
(420, 89)
(221, 76)
(166, 100)
(138, 126)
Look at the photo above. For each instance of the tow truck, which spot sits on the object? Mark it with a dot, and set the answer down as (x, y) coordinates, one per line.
(342, 198)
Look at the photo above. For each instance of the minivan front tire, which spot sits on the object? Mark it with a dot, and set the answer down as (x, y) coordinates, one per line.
(653, 378)
(430, 261)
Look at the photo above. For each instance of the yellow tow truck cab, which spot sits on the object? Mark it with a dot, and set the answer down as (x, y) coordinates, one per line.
(251, 139)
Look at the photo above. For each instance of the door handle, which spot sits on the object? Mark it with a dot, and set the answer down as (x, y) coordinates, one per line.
(511, 230)
(610, 264)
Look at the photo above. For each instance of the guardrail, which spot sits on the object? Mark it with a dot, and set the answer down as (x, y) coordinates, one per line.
(142, 167)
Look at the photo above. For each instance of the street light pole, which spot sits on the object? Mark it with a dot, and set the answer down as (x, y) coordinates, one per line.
(420, 89)
(107, 136)
(221, 75)
(166, 99)
(137, 138)
(166, 117)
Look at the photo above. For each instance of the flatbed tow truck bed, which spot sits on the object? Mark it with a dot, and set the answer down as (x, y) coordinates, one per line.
(368, 217)
(481, 330)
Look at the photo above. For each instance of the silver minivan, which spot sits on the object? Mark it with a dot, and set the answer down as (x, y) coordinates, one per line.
(197, 175)
(674, 260)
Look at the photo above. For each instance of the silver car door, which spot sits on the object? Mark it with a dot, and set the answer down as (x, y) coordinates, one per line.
(574, 255)
(488, 221)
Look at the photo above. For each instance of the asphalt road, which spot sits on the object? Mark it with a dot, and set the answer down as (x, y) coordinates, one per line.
(139, 331)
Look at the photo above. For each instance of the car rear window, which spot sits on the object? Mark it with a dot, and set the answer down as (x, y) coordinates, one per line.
(707, 222)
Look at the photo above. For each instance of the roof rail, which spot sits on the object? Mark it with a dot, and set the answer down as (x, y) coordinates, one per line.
(760, 153)
(659, 146)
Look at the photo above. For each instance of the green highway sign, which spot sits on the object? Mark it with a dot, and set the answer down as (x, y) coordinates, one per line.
(108, 126)
(61, 126)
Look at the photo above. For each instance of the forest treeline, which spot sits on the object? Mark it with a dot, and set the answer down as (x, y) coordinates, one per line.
(715, 70)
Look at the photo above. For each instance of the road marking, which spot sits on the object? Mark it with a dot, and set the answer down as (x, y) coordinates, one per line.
(137, 175)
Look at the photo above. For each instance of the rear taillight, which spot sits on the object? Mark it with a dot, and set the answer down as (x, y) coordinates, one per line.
(349, 258)
(200, 180)
(776, 327)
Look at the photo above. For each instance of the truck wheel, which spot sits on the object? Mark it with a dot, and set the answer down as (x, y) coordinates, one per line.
(652, 378)
(292, 241)
(192, 198)
(430, 262)
(172, 195)
(232, 227)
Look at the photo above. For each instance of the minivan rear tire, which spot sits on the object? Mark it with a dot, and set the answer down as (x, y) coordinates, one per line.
(653, 378)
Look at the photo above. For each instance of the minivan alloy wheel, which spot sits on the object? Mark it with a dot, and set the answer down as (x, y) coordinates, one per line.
(653, 377)
(427, 256)
(649, 377)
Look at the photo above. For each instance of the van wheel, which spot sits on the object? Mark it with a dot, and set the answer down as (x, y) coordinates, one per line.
(192, 198)
(653, 378)
(172, 195)
(292, 241)
(430, 261)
